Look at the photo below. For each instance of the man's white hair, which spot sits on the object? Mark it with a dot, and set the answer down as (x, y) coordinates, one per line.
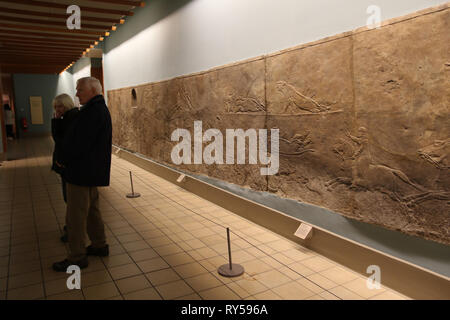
(93, 83)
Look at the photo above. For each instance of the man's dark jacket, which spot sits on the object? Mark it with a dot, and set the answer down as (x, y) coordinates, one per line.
(59, 128)
(87, 145)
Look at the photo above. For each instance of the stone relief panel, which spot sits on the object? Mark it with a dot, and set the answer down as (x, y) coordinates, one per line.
(310, 99)
(363, 119)
(402, 101)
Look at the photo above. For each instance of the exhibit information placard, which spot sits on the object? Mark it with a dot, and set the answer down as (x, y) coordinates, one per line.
(36, 110)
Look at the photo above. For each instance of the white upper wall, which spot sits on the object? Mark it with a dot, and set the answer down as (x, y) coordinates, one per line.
(204, 34)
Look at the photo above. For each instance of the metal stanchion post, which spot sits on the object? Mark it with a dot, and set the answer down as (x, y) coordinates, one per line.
(230, 269)
(132, 194)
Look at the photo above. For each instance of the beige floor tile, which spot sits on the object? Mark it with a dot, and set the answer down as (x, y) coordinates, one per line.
(359, 286)
(26, 293)
(168, 249)
(116, 298)
(131, 237)
(203, 282)
(256, 252)
(123, 230)
(255, 267)
(209, 266)
(290, 273)
(174, 289)
(206, 253)
(318, 264)
(251, 285)
(267, 295)
(124, 271)
(190, 270)
(133, 284)
(305, 282)
(196, 244)
(101, 291)
(241, 256)
(152, 265)
(195, 255)
(293, 291)
(192, 296)
(143, 255)
(159, 241)
(117, 260)
(315, 297)
(388, 295)
(339, 275)
(3, 282)
(146, 294)
(322, 281)
(70, 295)
(272, 278)
(116, 250)
(178, 259)
(56, 286)
(94, 278)
(325, 295)
(24, 280)
(135, 245)
(162, 276)
(301, 269)
(155, 236)
(219, 293)
(299, 254)
(345, 294)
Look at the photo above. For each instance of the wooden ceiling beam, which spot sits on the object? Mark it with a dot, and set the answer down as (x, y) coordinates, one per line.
(50, 35)
(26, 40)
(21, 45)
(52, 23)
(64, 7)
(43, 51)
(58, 16)
(31, 70)
(123, 2)
(61, 30)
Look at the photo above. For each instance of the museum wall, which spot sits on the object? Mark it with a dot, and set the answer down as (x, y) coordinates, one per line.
(48, 86)
(363, 119)
(166, 39)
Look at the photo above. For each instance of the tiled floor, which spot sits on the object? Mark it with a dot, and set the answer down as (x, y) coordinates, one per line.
(167, 244)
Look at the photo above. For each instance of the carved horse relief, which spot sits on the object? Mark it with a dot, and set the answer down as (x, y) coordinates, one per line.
(367, 175)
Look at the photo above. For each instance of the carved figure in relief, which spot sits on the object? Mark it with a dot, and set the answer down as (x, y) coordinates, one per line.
(437, 153)
(299, 101)
(296, 146)
(244, 105)
(367, 175)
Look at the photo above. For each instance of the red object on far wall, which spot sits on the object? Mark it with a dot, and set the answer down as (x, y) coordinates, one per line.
(24, 123)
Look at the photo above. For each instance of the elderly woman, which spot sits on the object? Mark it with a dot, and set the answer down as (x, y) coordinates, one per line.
(63, 116)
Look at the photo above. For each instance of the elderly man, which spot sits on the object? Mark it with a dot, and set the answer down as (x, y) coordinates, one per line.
(87, 161)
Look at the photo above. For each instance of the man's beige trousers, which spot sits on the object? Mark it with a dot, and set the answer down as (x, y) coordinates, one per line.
(83, 214)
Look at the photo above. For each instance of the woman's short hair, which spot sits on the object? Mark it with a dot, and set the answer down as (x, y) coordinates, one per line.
(63, 100)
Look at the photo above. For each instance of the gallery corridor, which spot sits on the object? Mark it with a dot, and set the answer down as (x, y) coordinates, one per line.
(167, 244)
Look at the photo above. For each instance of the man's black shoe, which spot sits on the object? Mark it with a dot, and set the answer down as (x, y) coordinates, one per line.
(64, 238)
(99, 252)
(63, 265)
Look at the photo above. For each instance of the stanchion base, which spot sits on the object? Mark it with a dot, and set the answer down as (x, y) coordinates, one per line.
(236, 270)
(133, 195)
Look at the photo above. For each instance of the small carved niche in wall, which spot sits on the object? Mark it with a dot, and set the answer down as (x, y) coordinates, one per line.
(133, 98)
